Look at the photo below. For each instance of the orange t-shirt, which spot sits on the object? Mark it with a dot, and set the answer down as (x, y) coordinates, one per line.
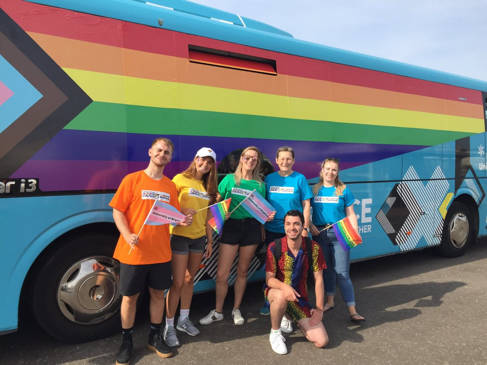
(135, 197)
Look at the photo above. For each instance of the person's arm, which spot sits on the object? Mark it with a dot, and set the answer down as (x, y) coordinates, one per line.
(272, 282)
(209, 236)
(319, 290)
(123, 227)
(352, 217)
(306, 213)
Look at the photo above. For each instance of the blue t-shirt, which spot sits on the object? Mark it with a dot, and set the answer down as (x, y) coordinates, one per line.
(285, 193)
(329, 208)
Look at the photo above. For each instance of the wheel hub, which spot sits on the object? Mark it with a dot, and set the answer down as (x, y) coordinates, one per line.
(459, 229)
(88, 292)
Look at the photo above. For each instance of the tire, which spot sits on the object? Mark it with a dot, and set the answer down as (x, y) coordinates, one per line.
(458, 231)
(76, 295)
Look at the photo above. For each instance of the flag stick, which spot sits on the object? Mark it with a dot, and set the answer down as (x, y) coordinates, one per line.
(209, 206)
(326, 228)
(140, 230)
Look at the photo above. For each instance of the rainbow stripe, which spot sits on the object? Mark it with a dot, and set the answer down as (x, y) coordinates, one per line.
(346, 234)
(219, 212)
(317, 107)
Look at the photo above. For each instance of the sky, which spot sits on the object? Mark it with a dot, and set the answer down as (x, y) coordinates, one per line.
(444, 35)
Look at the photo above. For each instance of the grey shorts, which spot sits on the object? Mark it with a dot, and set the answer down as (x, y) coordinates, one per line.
(183, 245)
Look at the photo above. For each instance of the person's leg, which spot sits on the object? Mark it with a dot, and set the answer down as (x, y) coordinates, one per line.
(128, 310)
(156, 305)
(225, 260)
(187, 290)
(184, 323)
(269, 237)
(179, 266)
(329, 273)
(316, 334)
(342, 269)
(246, 253)
(278, 304)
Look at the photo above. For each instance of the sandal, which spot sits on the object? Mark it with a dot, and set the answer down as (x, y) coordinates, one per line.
(327, 308)
(356, 318)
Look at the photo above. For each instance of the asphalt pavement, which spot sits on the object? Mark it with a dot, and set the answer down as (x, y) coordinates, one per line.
(420, 309)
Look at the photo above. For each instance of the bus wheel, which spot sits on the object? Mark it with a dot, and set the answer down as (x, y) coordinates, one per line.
(458, 231)
(76, 296)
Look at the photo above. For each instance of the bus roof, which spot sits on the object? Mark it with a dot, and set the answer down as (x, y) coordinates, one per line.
(188, 17)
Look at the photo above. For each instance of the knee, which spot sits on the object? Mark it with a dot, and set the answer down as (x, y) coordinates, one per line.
(242, 274)
(322, 342)
(130, 300)
(221, 277)
(156, 295)
(176, 286)
(277, 298)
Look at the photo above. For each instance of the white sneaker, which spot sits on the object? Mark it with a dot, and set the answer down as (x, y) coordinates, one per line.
(237, 317)
(286, 325)
(211, 317)
(277, 343)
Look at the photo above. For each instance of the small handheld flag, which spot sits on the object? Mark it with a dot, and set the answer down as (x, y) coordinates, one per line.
(219, 212)
(258, 207)
(164, 213)
(346, 234)
(161, 213)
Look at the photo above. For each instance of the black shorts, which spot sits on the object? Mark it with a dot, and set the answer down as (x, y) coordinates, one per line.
(183, 245)
(242, 232)
(134, 278)
(272, 236)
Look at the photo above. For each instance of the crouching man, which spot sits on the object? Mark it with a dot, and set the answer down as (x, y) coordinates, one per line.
(289, 262)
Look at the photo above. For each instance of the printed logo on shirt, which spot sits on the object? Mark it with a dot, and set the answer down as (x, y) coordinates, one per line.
(326, 199)
(241, 192)
(282, 189)
(155, 195)
(198, 194)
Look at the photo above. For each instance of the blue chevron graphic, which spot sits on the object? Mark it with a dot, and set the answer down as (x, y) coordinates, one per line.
(24, 94)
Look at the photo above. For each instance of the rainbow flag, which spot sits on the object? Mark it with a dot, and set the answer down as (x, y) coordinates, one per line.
(219, 210)
(163, 213)
(346, 234)
(258, 207)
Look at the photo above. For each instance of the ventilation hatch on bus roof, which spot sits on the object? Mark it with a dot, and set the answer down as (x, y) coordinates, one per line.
(227, 59)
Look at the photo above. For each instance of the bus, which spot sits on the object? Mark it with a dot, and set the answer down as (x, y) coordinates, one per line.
(86, 85)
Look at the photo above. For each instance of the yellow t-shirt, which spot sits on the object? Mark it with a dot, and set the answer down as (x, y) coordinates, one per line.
(192, 195)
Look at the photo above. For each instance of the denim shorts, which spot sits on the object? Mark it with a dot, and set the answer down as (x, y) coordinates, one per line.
(183, 245)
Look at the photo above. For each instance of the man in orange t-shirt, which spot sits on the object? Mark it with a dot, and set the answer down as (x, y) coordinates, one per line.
(144, 256)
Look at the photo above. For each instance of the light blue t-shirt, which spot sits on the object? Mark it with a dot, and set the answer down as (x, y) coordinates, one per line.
(285, 193)
(329, 208)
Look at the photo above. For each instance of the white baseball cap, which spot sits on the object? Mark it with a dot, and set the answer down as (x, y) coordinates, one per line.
(206, 152)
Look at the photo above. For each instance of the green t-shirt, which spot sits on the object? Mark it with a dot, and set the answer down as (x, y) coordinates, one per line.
(228, 189)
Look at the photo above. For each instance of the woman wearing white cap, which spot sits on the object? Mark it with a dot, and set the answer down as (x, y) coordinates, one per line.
(197, 188)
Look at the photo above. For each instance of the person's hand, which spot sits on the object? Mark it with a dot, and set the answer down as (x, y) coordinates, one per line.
(304, 233)
(290, 294)
(131, 239)
(316, 316)
(209, 249)
(314, 230)
(188, 219)
(188, 211)
(271, 216)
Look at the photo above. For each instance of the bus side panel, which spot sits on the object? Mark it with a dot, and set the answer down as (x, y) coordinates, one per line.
(38, 221)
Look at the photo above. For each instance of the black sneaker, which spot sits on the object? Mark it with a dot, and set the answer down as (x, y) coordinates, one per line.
(125, 352)
(157, 344)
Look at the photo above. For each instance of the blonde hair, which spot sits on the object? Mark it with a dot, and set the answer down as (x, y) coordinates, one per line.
(339, 185)
(209, 179)
(167, 141)
(256, 172)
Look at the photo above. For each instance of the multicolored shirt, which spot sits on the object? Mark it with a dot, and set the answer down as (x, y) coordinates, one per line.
(294, 271)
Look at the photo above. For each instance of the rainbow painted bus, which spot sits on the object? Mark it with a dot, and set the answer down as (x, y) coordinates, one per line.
(85, 85)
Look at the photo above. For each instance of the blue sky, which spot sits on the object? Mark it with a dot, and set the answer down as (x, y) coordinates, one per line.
(445, 35)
